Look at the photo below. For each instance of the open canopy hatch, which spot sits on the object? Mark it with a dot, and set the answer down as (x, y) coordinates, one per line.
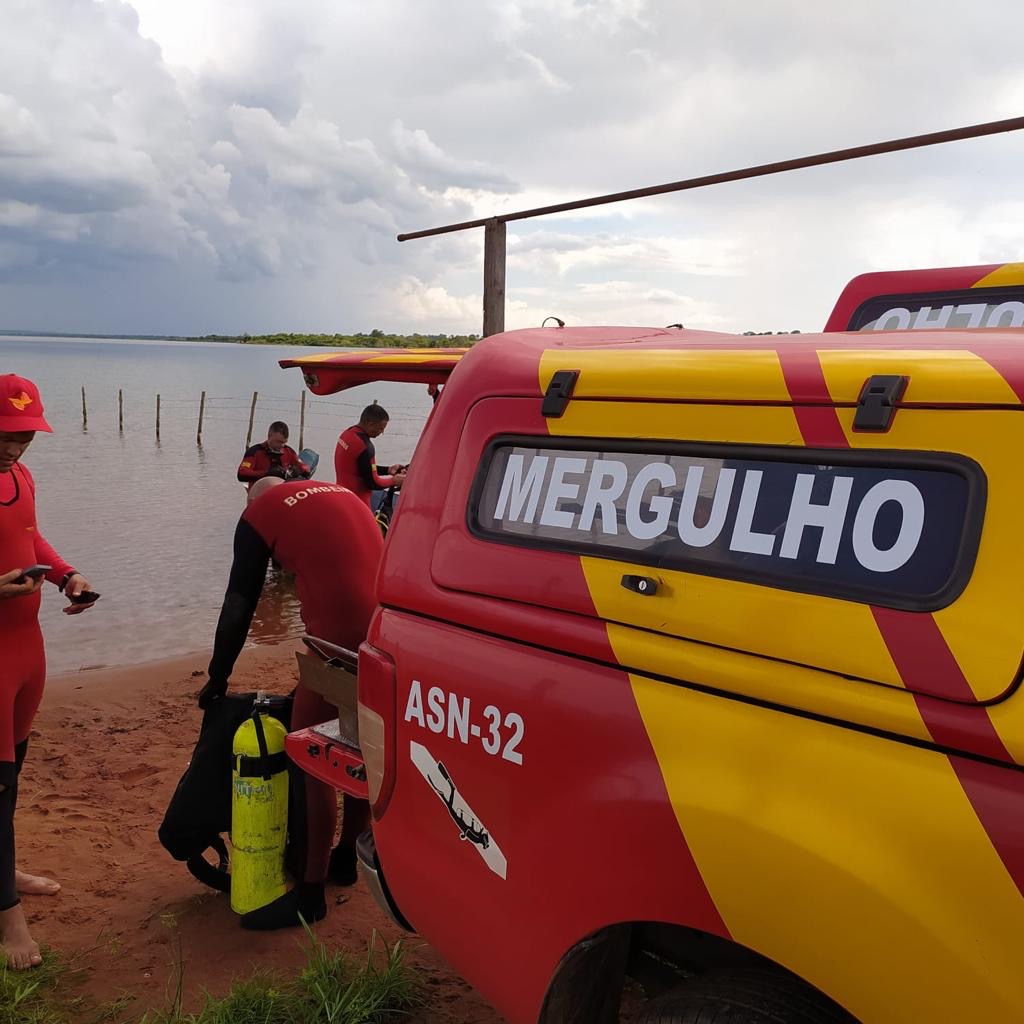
(329, 372)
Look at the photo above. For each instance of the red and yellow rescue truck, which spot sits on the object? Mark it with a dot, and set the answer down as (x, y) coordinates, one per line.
(697, 660)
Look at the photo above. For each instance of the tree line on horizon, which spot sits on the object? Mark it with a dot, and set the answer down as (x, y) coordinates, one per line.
(374, 339)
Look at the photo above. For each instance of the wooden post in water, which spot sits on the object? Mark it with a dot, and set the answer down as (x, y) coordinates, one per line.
(120, 411)
(252, 416)
(199, 429)
(302, 418)
(158, 419)
(85, 415)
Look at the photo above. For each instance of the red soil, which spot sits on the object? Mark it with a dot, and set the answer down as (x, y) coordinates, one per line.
(107, 750)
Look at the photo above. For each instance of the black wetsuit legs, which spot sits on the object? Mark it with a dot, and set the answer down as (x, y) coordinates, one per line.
(8, 801)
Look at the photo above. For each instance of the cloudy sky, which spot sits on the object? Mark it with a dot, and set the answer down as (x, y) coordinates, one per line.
(194, 166)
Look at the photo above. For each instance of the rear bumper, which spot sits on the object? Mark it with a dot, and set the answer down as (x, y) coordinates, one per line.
(323, 755)
(371, 873)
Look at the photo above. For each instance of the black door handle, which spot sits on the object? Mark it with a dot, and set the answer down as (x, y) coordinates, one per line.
(645, 585)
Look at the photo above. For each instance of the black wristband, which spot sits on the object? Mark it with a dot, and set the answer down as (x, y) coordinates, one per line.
(67, 576)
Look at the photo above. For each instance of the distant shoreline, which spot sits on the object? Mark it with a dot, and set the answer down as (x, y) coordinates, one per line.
(375, 339)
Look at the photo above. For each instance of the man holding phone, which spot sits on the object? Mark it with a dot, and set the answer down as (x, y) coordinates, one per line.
(26, 560)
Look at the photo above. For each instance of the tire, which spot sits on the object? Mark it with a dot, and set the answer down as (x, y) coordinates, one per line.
(743, 997)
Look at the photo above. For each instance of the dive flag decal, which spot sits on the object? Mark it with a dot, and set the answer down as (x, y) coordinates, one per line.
(469, 825)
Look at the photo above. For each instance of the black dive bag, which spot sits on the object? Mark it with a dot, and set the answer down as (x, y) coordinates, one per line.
(200, 809)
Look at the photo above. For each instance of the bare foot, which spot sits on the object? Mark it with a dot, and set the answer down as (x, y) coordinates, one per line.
(15, 941)
(35, 885)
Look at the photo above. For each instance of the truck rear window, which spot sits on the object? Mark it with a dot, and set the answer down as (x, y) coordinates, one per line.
(894, 529)
(968, 307)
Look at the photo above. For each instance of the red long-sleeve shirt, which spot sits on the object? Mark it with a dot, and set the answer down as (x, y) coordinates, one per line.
(355, 465)
(22, 545)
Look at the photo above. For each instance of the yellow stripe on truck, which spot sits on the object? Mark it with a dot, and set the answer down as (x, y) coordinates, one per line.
(724, 424)
(799, 830)
(1007, 274)
(415, 359)
(690, 374)
(781, 683)
(746, 617)
(983, 627)
(936, 377)
(740, 615)
(842, 634)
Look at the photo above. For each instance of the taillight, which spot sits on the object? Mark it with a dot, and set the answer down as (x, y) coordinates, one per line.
(377, 687)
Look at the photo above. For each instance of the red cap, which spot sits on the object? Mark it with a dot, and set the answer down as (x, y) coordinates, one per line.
(21, 408)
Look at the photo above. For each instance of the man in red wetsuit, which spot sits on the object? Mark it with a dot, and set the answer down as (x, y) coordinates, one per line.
(272, 457)
(355, 459)
(329, 539)
(22, 659)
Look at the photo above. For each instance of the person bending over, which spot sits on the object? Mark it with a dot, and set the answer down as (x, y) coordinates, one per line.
(272, 457)
(329, 540)
(355, 459)
(22, 658)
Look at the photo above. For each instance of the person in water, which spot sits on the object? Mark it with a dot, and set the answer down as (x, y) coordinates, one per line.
(22, 657)
(272, 457)
(355, 459)
(329, 540)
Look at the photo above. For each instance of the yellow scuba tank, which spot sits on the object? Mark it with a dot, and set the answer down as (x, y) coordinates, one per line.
(259, 811)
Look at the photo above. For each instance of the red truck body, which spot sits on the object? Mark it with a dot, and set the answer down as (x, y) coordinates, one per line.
(584, 759)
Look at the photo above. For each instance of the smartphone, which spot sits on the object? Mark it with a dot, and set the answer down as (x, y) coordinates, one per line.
(33, 572)
(85, 597)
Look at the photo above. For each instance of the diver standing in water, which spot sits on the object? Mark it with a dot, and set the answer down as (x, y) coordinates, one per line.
(328, 538)
(272, 457)
(26, 560)
(355, 458)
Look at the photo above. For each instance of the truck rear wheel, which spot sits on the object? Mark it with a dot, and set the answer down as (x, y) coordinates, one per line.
(743, 997)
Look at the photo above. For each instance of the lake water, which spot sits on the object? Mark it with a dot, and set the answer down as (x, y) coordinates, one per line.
(151, 522)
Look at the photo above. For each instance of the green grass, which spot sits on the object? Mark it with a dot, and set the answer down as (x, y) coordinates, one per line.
(332, 988)
(45, 994)
(26, 997)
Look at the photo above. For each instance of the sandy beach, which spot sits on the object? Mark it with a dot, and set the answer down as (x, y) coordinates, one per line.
(107, 749)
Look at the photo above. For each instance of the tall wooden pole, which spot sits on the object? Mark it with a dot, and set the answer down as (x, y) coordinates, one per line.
(302, 419)
(120, 411)
(158, 419)
(85, 415)
(199, 429)
(494, 277)
(252, 416)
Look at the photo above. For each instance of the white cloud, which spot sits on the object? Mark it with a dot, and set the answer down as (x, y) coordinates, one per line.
(935, 233)
(618, 302)
(564, 254)
(111, 163)
(29, 222)
(20, 133)
(191, 166)
(432, 305)
(543, 72)
(425, 161)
